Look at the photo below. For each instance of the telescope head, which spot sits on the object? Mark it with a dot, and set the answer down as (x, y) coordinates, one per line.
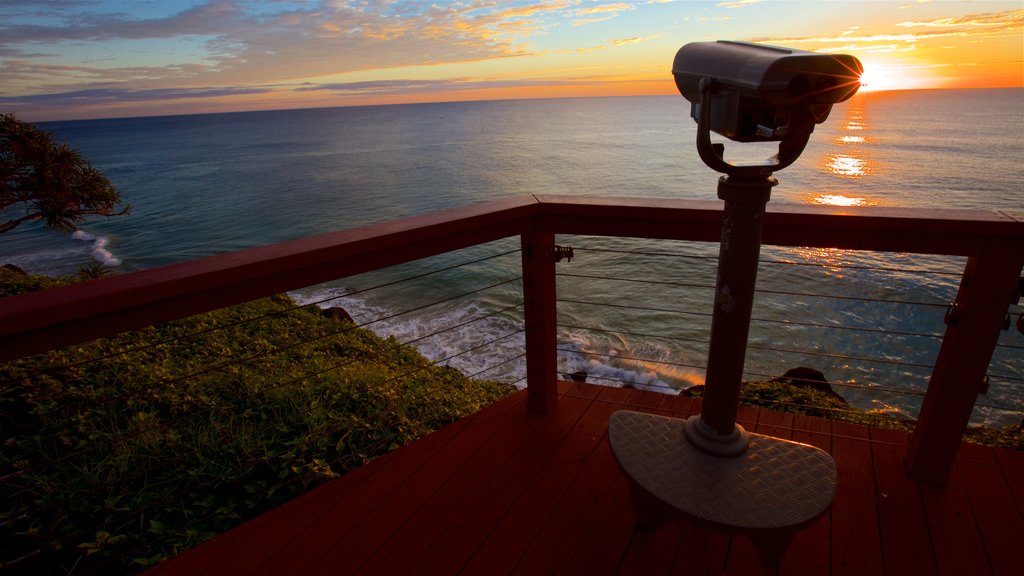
(757, 93)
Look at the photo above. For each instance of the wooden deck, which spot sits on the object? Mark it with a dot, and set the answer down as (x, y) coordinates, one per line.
(509, 492)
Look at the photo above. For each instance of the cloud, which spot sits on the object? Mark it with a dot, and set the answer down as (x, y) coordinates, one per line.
(634, 40)
(101, 95)
(737, 4)
(979, 25)
(605, 8)
(246, 43)
(585, 21)
(406, 86)
(989, 20)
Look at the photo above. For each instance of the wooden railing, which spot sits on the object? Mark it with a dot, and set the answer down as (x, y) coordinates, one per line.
(992, 241)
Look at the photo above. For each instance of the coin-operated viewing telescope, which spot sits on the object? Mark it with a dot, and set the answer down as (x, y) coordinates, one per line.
(757, 93)
(707, 466)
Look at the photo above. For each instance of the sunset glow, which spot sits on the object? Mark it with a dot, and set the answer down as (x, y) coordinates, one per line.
(876, 78)
(106, 58)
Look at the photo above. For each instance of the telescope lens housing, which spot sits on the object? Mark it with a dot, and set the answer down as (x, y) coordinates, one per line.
(757, 89)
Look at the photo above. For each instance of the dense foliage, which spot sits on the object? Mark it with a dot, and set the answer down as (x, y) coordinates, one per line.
(127, 450)
(52, 181)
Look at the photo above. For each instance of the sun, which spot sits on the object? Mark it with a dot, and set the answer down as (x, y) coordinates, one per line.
(876, 78)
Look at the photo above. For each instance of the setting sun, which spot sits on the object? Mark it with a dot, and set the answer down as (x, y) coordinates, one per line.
(875, 78)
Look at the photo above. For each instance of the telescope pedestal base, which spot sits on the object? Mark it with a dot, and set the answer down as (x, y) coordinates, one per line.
(767, 493)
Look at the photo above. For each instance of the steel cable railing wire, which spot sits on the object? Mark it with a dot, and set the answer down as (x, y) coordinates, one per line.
(792, 407)
(631, 384)
(759, 347)
(846, 384)
(630, 358)
(756, 290)
(245, 321)
(746, 372)
(755, 319)
(955, 273)
(474, 375)
(673, 338)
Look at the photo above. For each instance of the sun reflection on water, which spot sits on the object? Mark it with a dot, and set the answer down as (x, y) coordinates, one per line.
(832, 260)
(850, 158)
(841, 200)
(848, 166)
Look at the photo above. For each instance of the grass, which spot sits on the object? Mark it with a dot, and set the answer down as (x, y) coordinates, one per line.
(128, 450)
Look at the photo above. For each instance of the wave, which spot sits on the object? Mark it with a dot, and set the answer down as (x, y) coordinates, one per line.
(481, 343)
(99, 250)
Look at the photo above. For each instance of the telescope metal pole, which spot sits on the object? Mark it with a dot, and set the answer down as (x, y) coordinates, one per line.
(714, 430)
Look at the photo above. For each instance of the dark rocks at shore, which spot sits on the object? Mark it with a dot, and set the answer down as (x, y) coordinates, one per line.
(13, 269)
(578, 376)
(804, 377)
(338, 313)
(801, 377)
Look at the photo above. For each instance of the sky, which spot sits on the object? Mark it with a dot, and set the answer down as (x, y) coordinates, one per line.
(69, 59)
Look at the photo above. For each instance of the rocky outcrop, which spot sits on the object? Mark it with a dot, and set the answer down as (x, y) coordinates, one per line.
(338, 313)
(801, 377)
(804, 377)
(578, 376)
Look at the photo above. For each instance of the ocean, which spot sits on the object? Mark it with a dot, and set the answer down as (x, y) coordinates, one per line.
(631, 312)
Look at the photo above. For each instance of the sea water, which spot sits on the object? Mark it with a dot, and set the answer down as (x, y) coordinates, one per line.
(631, 312)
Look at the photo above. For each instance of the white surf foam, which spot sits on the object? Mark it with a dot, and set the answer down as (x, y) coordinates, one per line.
(99, 250)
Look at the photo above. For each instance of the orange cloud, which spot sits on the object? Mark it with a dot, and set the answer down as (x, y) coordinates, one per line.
(620, 7)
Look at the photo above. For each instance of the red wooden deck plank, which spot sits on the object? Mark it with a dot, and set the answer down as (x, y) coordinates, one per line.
(683, 406)
(563, 531)
(652, 552)
(606, 533)
(906, 543)
(999, 523)
(459, 541)
(811, 548)
(856, 542)
(701, 551)
(404, 543)
(958, 548)
(506, 544)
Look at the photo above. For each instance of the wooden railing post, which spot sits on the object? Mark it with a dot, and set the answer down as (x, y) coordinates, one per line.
(973, 327)
(540, 317)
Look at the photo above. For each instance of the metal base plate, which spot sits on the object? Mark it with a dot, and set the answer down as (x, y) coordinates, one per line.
(773, 484)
